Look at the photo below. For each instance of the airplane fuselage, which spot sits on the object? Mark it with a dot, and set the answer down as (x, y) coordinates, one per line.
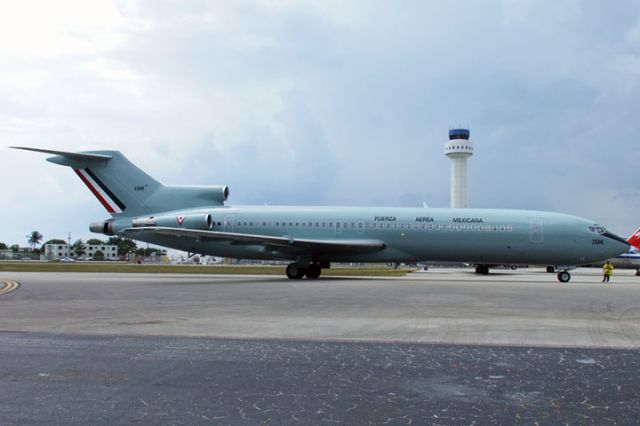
(481, 236)
(628, 260)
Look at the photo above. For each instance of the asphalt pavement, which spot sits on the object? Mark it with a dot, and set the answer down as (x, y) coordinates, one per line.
(439, 347)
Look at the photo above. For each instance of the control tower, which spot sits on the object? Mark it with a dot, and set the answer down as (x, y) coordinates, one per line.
(458, 149)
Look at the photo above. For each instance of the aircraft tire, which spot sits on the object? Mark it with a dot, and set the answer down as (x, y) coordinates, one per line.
(551, 269)
(294, 272)
(482, 269)
(564, 276)
(313, 271)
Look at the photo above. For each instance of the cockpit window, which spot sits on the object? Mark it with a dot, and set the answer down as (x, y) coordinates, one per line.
(599, 229)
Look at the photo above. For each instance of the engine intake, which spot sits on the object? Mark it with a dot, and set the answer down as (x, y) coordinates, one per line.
(105, 227)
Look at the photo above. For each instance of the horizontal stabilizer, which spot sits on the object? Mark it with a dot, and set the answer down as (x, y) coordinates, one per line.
(73, 155)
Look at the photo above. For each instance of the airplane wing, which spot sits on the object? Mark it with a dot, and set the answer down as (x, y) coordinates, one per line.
(286, 243)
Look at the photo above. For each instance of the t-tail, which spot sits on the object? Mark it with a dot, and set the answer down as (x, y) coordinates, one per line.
(126, 190)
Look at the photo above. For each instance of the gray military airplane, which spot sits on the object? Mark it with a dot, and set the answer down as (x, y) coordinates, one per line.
(196, 219)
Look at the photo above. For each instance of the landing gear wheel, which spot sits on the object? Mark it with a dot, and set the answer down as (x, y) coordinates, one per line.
(482, 269)
(551, 269)
(313, 271)
(294, 272)
(564, 277)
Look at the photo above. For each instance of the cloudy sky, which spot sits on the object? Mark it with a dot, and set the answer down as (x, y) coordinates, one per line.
(324, 102)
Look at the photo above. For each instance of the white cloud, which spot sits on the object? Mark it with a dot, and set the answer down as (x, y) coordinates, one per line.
(48, 29)
(322, 102)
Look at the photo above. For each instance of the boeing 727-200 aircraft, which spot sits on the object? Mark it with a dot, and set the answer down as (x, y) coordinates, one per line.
(196, 219)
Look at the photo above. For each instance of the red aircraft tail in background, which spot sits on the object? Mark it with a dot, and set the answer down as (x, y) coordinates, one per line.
(634, 239)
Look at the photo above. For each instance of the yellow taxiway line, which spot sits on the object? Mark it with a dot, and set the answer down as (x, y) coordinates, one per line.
(8, 286)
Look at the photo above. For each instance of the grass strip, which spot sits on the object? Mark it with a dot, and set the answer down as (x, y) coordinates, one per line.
(188, 269)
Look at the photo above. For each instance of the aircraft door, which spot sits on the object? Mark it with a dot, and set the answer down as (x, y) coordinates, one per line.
(360, 226)
(339, 225)
(536, 231)
(228, 223)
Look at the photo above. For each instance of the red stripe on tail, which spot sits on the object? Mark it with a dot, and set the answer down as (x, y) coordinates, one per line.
(95, 192)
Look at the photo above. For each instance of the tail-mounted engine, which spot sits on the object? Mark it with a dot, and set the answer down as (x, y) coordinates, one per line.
(187, 221)
(105, 227)
(200, 221)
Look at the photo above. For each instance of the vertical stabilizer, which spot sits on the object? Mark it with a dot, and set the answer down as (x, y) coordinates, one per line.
(120, 186)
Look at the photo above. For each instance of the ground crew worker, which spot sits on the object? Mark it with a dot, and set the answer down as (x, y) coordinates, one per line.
(607, 271)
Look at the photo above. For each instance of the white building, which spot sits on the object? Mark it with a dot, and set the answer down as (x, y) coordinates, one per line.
(458, 149)
(58, 251)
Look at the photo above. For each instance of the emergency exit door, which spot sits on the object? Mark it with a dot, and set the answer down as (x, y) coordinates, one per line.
(536, 231)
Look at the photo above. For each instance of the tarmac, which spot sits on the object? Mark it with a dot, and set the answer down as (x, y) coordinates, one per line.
(445, 346)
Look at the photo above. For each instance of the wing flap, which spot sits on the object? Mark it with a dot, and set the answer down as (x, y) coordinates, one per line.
(302, 244)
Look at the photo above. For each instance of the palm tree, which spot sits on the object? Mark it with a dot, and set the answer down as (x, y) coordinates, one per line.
(34, 239)
(78, 248)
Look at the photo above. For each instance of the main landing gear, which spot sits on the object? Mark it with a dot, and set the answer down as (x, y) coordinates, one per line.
(482, 269)
(564, 276)
(295, 271)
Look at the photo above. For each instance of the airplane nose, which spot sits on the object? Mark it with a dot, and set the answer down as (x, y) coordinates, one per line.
(616, 246)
